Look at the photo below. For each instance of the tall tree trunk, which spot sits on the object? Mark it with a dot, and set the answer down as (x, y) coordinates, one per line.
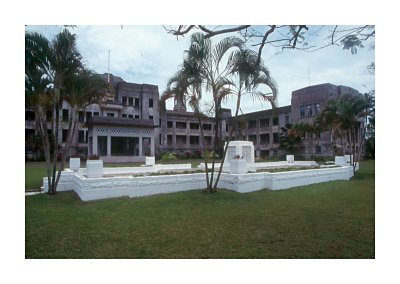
(46, 142)
(228, 141)
(73, 122)
(205, 155)
(56, 118)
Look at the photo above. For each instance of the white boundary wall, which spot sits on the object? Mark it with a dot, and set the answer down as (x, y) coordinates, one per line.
(111, 187)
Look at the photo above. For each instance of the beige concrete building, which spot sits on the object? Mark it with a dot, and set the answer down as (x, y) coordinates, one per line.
(127, 125)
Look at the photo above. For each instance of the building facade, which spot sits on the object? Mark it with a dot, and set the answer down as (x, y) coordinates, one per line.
(127, 125)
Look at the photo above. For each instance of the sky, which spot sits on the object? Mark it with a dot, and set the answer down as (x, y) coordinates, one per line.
(148, 54)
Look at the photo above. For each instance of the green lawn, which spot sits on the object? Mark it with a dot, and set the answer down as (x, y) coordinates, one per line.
(329, 220)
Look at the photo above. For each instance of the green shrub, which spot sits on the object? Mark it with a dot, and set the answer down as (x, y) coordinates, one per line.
(168, 156)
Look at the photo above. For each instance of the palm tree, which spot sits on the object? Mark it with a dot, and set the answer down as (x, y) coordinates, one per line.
(290, 138)
(328, 121)
(203, 70)
(49, 69)
(346, 115)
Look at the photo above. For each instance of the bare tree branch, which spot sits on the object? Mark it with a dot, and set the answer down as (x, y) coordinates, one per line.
(263, 43)
(211, 33)
(333, 33)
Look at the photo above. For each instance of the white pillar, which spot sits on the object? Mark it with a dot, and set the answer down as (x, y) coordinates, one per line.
(152, 146)
(108, 144)
(94, 140)
(140, 146)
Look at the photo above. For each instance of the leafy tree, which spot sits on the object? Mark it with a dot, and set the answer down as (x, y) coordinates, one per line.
(349, 114)
(54, 73)
(288, 36)
(290, 139)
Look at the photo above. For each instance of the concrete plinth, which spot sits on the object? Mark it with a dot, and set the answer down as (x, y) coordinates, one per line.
(94, 168)
(74, 164)
(340, 161)
(238, 166)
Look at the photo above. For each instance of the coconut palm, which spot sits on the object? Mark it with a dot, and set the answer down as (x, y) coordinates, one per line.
(222, 73)
(346, 116)
(49, 67)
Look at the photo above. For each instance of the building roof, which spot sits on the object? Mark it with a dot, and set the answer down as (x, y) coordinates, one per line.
(186, 114)
(116, 121)
(266, 113)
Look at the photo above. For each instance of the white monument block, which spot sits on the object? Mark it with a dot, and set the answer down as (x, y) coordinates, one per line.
(74, 164)
(94, 168)
(150, 161)
(243, 149)
(340, 161)
(290, 159)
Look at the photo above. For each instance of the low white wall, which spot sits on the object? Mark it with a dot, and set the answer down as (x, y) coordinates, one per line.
(109, 187)
(101, 188)
(143, 169)
(64, 184)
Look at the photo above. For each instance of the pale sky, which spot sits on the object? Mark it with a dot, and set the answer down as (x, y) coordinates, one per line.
(148, 54)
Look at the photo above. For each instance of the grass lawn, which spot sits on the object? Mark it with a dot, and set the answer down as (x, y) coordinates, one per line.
(328, 220)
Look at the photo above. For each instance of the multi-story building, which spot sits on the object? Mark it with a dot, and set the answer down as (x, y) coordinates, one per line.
(263, 128)
(127, 125)
(306, 104)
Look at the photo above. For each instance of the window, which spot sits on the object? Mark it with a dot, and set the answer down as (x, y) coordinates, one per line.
(81, 116)
(302, 113)
(150, 117)
(130, 116)
(150, 102)
(169, 124)
(194, 125)
(88, 116)
(124, 101)
(264, 122)
(276, 138)
(227, 127)
(137, 116)
(275, 120)
(194, 140)
(206, 126)
(96, 113)
(110, 114)
(180, 140)
(102, 145)
(29, 115)
(316, 109)
(137, 102)
(318, 149)
(124, 146)
(309, 111)
(124, 115)
(65, 115)
(169, 139)
(181, 125)
(64, 135)
(252, 124)
(81, 136)
(130, 101)
(264, 139)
